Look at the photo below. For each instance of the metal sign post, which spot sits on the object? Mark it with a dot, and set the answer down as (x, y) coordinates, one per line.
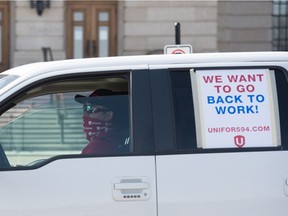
(178, 48)
(177, 33)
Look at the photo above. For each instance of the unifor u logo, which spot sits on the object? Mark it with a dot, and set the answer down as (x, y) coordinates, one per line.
(239, 141)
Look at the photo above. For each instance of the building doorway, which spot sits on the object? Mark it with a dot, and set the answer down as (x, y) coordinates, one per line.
(91, 28)
(4, 36)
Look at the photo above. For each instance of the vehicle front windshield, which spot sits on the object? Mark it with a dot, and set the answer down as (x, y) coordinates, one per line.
(6, 79)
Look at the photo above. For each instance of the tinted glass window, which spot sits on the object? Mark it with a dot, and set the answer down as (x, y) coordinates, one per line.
(189, 114)
(184, 110)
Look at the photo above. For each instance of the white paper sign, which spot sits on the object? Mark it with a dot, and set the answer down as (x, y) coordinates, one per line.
(236, 108)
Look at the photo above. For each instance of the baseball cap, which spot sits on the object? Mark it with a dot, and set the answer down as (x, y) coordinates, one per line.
(103, 97)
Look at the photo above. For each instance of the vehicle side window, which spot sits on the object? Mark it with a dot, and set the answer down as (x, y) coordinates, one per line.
(50, 121)
(183, 110)
(282, 89)
(188, 119)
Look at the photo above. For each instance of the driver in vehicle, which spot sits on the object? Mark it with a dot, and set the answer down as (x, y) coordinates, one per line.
(104, 121)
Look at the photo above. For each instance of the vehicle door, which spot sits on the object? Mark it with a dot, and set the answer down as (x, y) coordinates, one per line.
(224, 150)
(42, 169)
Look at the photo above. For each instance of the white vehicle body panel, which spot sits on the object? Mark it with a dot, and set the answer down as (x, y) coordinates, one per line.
(230, 183)
(77, 187)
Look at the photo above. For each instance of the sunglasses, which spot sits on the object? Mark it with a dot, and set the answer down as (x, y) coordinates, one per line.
(93, 109)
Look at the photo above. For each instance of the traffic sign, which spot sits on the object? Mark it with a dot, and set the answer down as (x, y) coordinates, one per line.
(178, 49)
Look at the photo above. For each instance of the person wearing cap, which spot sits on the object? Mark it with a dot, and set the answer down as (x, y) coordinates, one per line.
(98, 120)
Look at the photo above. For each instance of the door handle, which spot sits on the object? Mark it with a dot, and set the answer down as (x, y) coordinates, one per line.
(286, 184)
(131, 188)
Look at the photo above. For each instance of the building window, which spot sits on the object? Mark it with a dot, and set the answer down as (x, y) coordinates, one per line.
(280, 25)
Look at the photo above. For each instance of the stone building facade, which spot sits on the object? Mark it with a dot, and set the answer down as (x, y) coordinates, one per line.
(138, 27)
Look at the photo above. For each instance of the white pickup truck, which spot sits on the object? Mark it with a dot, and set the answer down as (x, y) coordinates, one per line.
(201, 134)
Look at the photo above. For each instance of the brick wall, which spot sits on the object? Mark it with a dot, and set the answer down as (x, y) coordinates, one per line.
(32, 32)
(149, 25)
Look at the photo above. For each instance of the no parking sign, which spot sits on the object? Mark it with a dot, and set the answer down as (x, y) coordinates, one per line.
(178, 49)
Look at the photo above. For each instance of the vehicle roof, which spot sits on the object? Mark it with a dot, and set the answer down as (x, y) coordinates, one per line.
(140, 60)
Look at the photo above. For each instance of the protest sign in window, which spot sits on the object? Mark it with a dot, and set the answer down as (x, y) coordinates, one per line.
(235, 108)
